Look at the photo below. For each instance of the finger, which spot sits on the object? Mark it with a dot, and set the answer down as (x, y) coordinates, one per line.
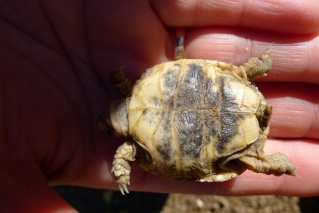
(271, 15)
(294, 59)
(302, 155)
(295, 109)
(249, 183)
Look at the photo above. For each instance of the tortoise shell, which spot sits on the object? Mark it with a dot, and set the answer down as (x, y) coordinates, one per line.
(187, 114)
(194, 119)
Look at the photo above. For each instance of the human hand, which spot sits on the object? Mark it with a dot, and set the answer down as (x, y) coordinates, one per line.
(55, 59)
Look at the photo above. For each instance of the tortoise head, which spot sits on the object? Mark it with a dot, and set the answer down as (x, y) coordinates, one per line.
(114, 121)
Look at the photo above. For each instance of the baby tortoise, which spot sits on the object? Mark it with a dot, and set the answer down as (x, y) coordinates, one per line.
(194, 119)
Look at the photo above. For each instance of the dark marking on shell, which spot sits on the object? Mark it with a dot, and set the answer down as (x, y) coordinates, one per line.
(155, 101)
(164, 146)
(144, 113)
(151, 116)
(171, 76)
(170, 81)
(189, 87)
(210, 119)
(227, 100)
(189, 132)
(196, 105)
(158, 112)
(211, 94)
(164, 150)
(185, 120)
(229, 120)
(229, 127)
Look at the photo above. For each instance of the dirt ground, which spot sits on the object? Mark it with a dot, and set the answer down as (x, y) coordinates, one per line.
(104, 201)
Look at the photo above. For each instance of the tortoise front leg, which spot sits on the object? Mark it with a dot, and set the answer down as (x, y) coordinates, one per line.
(121, 166)
(257, 67)
(121, 82)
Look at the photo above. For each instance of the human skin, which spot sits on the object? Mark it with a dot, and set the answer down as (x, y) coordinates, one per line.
(55, 59)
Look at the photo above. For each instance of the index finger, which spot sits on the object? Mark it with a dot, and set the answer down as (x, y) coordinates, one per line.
(281, 16)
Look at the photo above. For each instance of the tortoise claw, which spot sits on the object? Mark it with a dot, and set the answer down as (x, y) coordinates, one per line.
(123, 188)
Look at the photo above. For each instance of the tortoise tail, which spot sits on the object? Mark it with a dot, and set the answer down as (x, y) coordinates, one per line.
(265, 118)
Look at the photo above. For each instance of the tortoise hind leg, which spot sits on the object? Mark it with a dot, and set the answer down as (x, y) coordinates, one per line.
(276, 164)
(120, 81)
(121, 165)
(254, 159)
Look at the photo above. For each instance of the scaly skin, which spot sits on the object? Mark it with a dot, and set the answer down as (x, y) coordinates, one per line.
(121, 167)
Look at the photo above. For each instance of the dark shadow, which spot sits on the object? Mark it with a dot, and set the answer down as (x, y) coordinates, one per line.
(309, 204)
(87, 200)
